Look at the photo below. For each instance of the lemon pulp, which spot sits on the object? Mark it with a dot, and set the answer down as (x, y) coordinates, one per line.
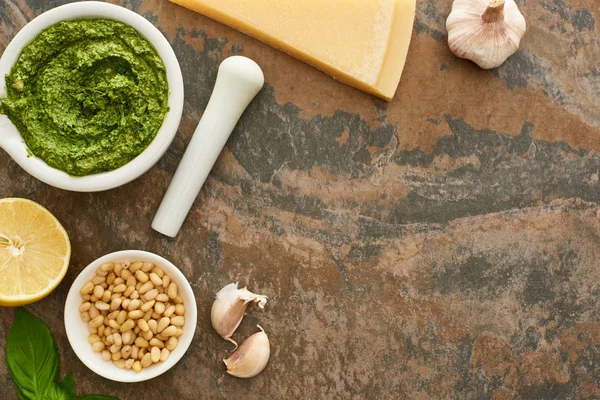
(34, 252)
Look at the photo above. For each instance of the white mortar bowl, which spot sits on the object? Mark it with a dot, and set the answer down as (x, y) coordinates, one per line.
(12, 142)
(78, 331)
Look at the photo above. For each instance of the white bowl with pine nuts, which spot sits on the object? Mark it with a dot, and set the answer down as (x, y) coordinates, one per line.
(78, 330)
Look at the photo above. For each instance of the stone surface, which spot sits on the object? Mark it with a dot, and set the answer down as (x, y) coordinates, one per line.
(444, 245)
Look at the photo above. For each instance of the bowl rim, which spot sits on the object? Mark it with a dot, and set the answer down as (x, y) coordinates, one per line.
(74, 325)
(11, 140)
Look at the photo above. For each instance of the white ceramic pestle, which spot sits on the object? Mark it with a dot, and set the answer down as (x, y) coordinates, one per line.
(239, 79)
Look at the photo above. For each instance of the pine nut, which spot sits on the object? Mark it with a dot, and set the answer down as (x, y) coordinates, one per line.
(134, 351)
(162, 324)
(107, 330)
(116, 356)
(94, 331)
(98, 291)
(178, 299)
(147, 335)
(114, 324)
(147, 360)
(104, 285)
(115, 303)
(179, 309)
(100, 330)
(110, 278)
(119, 363)
(155, 354)
(172, 290)
(97, 280)
(137, 366)
(134, 295)
(143, 325)
(136, 314)
(161, 337)
(171, 343)
(110, 339)
(153, 325)
(97, 321)
(148, 305)
(102, 306)
(179, 332)
(127, 325)
(94, 298)
(148, 315)
(170, 331)
(178, 321)
(93, 339)
(98, 346)
(85, 316)
(166, 281)
(107, 267)
(162, 298)
(141, 342)
(146, 267)
(145, 287)
(125, 303)
(125, 274)
(158, 271)
(126, 352)
(128, 292)
(119, 281)
(169, 311)
(136, 330)
(138, 286)
(156, 343)
(120, 288)
(127, 337)
(106, 296)
(87, 288)
(150, 294)
(99, 272)
(115, 348)
(159, 308)
(106, 355)
(113, 315)
(122, 317)
(117, 339)
(141, 276)
(85, 306)
(164, 354)
(134, 305)
(86, 297)
(156, 279)
(129, 363)
(134, 267)
(156, 316)
(142, 353)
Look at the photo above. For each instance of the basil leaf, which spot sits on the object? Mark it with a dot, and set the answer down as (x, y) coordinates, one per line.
(58, 392)
(98, 397)
(31, 356)
(68, 384)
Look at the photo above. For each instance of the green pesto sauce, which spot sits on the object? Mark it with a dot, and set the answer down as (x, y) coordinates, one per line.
(87, 96)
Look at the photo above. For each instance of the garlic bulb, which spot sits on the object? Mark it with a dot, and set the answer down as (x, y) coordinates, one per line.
(485, 32)
(251, 357)
(229, 308)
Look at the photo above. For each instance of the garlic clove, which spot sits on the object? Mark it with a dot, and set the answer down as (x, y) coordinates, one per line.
(229, 308)
(251, 358)
(485, 32)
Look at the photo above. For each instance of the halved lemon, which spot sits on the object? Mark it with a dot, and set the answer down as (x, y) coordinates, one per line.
(34, 252)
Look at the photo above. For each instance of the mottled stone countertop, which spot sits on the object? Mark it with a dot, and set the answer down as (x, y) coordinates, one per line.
(444, 245)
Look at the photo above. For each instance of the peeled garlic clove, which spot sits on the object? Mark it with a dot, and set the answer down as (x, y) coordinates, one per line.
(229, 308)
(485, 32)
(251, 357)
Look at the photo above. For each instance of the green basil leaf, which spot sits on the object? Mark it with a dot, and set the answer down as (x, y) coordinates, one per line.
(98, 397)
(68, 384)
(31, 356)
(58, 392)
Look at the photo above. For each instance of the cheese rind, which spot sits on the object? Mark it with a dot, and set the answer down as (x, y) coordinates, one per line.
(363, 43)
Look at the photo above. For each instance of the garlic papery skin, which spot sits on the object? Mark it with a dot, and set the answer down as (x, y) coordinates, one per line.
(229, 308)
(251, 358)
(485, 32)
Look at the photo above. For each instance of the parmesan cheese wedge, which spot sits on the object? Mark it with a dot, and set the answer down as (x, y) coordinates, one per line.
(362, 43)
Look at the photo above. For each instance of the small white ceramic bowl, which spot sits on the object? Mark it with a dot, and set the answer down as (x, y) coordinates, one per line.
(78, 332)
(12, 142)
